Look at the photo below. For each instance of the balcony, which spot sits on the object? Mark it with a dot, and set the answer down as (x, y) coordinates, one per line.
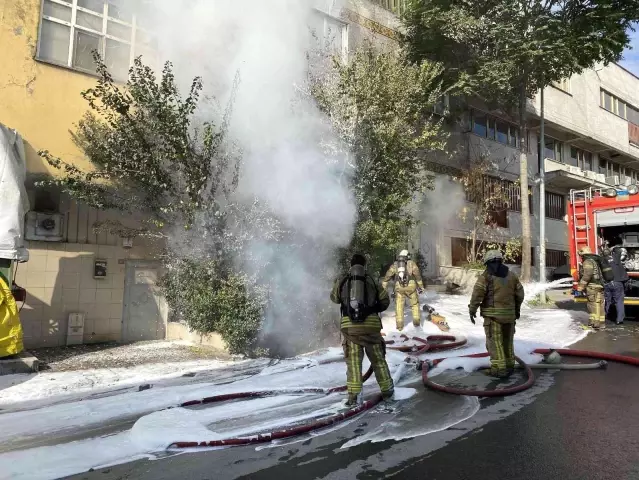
(396, 6)
(566, 177)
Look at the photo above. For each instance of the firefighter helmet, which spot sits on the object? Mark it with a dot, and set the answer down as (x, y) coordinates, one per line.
(491, 255)
(584, 251)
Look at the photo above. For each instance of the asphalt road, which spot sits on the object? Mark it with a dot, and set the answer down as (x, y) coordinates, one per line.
(571, 425)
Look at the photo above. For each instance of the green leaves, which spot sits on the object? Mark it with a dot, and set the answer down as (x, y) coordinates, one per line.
(491, 47)
(382, 108)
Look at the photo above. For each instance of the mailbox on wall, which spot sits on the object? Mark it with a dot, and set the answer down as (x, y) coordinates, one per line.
(100, 269)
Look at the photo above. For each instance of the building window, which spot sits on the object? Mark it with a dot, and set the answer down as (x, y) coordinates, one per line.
(396, 6)
(71, 31)
(563, 84)
(461, 247)
(580, 158)
(494, 129)
(555, 206)
(554, 149)
(510, 193)
(619, 107)
(329, 33)
(556, 258)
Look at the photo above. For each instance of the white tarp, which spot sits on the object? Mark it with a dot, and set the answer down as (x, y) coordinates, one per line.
(14, 203)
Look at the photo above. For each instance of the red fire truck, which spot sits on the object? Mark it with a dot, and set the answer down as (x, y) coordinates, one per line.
(605, 217)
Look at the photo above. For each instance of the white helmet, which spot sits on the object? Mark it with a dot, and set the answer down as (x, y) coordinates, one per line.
(403, 253)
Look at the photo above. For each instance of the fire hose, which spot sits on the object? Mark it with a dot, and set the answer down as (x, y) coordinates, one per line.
(426, 366)
(603, 357)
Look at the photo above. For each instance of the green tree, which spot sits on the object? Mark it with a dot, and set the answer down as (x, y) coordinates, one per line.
(504, 51)
(382, 109)
(157, 155)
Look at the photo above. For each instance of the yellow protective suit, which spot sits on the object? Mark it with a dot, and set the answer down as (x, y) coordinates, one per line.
(10, 328)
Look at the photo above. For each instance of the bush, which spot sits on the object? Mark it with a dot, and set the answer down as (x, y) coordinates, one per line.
(210, 300)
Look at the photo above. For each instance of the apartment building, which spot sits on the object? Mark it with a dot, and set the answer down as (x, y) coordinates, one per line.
(591, 140)
(101, 285)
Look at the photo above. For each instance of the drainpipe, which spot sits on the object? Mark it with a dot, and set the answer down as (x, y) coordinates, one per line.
(542, 201)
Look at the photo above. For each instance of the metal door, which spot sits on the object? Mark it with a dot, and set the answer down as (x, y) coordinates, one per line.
(428, 247)
(144, 306)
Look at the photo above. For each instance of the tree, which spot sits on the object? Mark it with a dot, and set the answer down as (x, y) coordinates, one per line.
(490, 202)
(504, 51)
(382, 109)
(152, 155)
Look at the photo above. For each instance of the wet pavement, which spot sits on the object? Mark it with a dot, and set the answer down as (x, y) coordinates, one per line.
(570, 425)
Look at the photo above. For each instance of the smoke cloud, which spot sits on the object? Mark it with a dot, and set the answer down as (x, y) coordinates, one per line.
(443, 204)
(280, 132)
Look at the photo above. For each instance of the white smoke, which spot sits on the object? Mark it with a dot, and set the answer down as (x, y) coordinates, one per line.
(443, 206)
(280, 132)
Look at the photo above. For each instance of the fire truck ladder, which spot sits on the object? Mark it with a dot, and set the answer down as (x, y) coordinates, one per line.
(580, 200)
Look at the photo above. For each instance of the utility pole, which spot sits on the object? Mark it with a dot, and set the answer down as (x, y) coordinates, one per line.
(542, 201)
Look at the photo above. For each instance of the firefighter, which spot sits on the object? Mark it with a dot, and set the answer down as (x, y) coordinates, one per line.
(408, 284)
(498, 294)
(591, 282)
(361, 301)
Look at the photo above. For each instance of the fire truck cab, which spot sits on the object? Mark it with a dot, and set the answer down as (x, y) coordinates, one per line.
(603, 218)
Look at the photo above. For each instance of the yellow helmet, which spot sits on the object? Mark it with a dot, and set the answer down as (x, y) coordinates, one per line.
(584, 251)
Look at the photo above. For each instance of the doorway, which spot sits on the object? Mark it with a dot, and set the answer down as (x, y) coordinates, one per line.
(144, 306)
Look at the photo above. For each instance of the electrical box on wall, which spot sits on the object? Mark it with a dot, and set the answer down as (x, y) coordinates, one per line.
(100, 269)
(45, 227)
(75, 329)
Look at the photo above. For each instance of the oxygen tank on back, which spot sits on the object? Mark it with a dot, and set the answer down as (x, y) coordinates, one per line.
(402, 268)
(357, 293)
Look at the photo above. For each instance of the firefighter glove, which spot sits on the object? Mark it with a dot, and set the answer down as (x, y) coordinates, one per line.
(472, 318)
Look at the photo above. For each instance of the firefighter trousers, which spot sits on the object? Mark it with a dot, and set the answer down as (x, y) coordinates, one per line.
(595, 305)
(354, 347)
(500, 345)
(401, 295)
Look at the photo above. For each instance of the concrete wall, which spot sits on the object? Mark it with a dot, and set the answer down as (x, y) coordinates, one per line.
(40, 101)
(579, 110)
(59, 280)
(179, 331)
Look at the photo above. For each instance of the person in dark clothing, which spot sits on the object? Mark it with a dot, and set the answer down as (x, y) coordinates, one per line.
(614, 291)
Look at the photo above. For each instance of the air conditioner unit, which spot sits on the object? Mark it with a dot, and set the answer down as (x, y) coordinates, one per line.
(600, 177)
(45, 227)
(613, 180)
(591, 175)
(627, 181)
(575, 170)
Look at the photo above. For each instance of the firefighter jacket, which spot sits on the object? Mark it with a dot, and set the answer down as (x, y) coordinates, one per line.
(498, 294)
(10, 328)
(414, 275)
(590, 272)
(379, 300)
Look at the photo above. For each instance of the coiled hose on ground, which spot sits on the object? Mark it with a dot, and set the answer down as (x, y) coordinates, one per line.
(428, 345)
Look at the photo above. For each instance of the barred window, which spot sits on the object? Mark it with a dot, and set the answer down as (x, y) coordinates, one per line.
(555, 206)
(556, 258)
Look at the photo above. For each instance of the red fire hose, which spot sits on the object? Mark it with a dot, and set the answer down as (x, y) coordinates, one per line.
(319, 423)
(292, 431)
(502, 392)
(427, 345)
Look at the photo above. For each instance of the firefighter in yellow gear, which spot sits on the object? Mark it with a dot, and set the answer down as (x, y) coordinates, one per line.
(408, 284)
(591, 282)
(10, 327)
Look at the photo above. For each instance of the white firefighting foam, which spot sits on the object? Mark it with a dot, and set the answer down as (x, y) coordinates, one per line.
(155, 430)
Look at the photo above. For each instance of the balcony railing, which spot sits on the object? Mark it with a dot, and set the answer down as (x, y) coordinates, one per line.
(396, 6)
